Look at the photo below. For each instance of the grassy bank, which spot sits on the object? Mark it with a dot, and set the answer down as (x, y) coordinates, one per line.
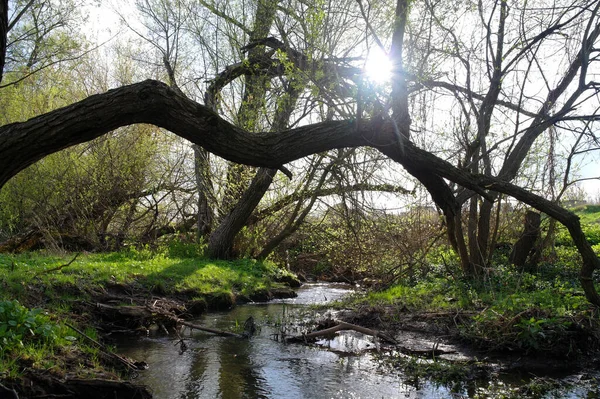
(543, 313)
(42, 294)
(515, 311)
(168, 271)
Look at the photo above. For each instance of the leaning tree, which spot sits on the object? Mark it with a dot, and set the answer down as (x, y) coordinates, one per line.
(475, 177)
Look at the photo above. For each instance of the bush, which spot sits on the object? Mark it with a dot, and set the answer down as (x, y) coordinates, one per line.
(19, 325)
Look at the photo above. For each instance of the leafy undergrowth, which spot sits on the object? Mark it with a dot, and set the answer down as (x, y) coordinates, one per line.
(545, 313)
(33, 341)
(41, 293)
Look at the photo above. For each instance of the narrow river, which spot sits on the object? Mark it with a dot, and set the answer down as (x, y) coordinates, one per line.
(262, 367)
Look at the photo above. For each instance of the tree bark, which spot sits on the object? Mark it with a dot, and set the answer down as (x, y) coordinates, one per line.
(21, 144)
(3, 34)
(220, 245)
(525, 244)
(205, 216)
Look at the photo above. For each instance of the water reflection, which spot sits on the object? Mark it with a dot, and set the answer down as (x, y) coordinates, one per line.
(230, 368)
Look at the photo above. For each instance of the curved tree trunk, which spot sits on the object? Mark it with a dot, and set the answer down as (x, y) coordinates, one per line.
(220, 244)
(22, 144)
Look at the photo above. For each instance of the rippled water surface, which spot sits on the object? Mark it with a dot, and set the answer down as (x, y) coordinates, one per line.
(262, 367)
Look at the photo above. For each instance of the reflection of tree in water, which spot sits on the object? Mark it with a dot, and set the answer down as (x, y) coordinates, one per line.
(238, 377)
(198, 368)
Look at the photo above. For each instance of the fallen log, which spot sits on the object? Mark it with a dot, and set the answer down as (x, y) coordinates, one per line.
(182, 322)
(152, 312)
(134, 312)
(207, 329)
(341, 326)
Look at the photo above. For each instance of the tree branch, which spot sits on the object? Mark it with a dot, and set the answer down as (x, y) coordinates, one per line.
(21, 144)
(3, 34)
(302, 196)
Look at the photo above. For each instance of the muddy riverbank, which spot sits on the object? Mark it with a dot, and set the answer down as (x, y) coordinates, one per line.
(430, 358)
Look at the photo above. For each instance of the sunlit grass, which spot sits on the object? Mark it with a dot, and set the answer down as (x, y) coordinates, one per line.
(148, 270)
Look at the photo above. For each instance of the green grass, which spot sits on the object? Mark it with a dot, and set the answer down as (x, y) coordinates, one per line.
(433, 294)
(147, 270)
(547, 312)
(40, 340)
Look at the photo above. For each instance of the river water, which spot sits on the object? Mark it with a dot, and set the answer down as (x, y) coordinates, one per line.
(263, 367)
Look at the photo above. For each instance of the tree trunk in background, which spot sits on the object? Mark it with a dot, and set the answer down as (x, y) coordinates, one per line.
(524, 246)
(252, 105)
(220, 245)
(205, 216)
(241, 195)
(3, 34)
(222, 240)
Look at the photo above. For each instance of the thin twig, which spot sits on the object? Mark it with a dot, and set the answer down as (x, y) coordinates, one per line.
(59, 267)
(105, 349)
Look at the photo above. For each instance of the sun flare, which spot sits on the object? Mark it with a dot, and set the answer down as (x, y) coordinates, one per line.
(378, 67)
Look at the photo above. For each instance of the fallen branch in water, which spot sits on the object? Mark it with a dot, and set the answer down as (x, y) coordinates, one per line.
(207, 329)
(182, 322)
(341, 326)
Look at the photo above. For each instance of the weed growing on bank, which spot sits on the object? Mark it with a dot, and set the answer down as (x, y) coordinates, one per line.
(32, 340)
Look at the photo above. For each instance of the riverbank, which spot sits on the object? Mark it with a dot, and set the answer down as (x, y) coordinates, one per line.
(542, 323)
(459, 333)
(56, 310)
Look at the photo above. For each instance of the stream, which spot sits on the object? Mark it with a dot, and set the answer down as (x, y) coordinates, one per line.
(262, 367)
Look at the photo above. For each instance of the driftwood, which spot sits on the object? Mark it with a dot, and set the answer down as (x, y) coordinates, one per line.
(135, 312)
(340, 326)
(207, 329)
(147, 312)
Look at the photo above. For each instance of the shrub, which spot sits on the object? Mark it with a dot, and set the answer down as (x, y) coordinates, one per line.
(19, 325)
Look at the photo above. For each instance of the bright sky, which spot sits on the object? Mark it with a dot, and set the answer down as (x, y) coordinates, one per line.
(104, 24)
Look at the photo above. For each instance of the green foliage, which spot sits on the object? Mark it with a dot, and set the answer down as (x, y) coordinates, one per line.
(163, 270)
(19, 324)
(545, 312)
(91, 196)
(430, 294)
